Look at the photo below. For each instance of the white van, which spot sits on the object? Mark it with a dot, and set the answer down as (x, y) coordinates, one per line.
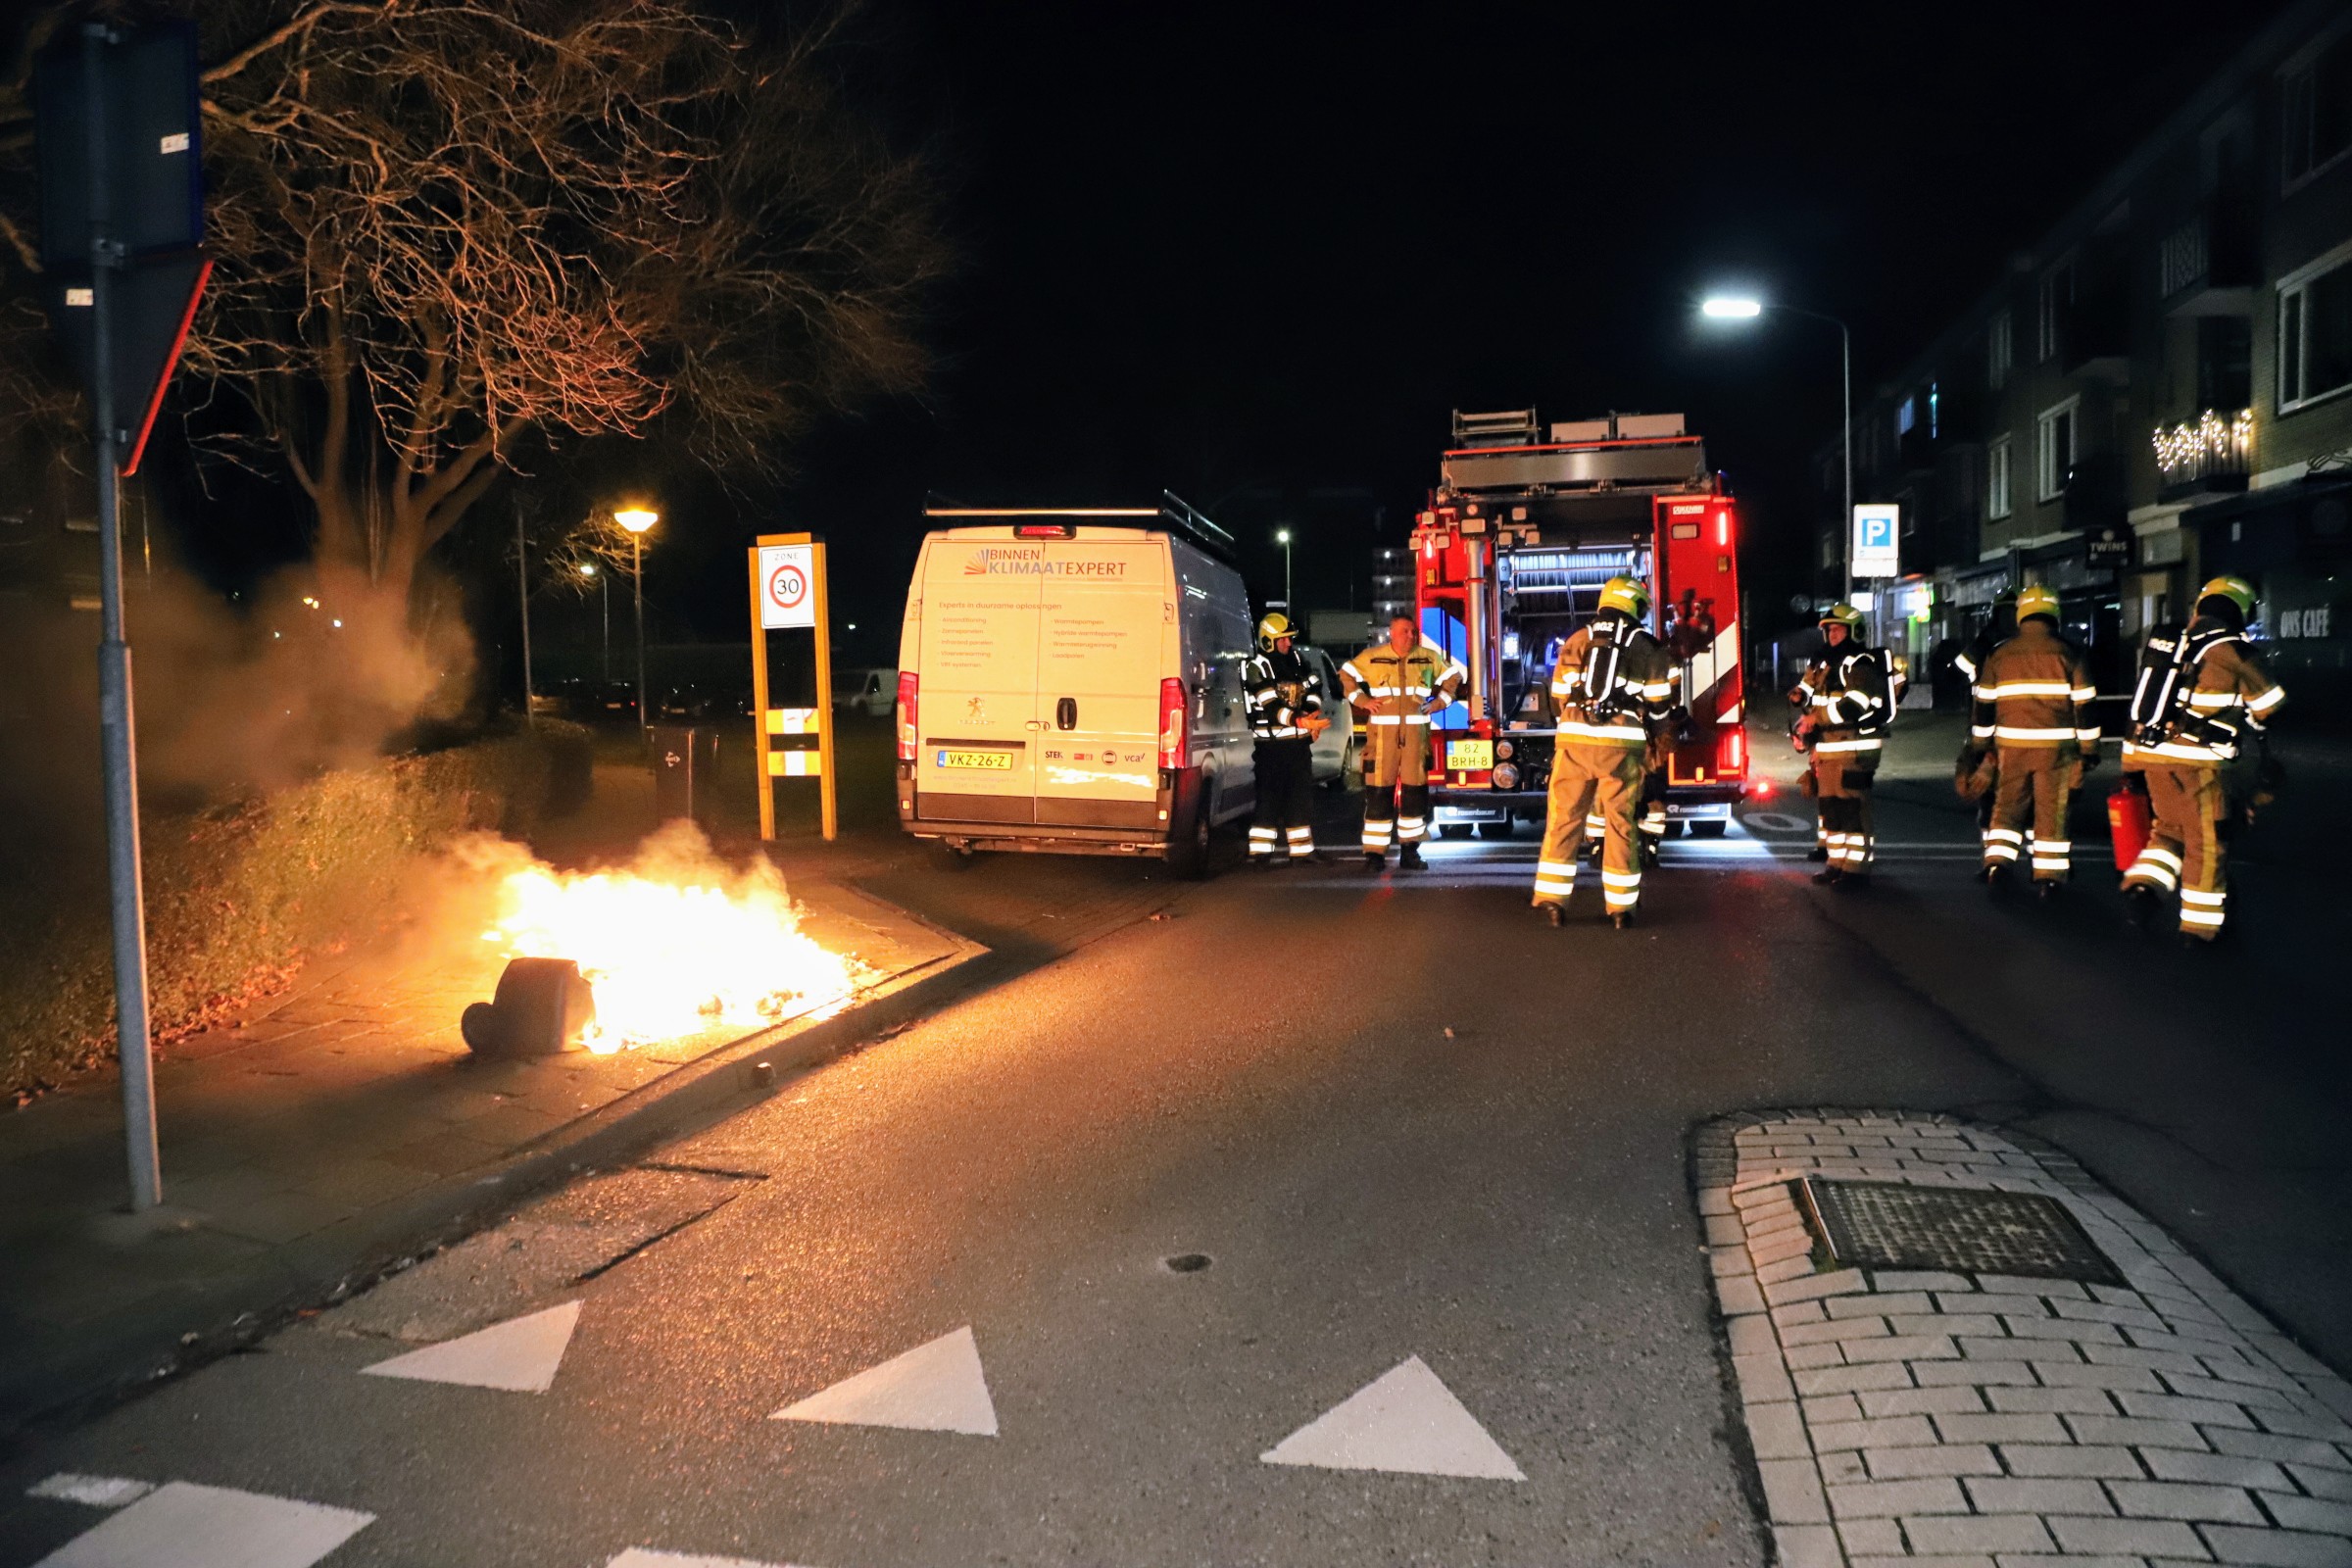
(1070, 681)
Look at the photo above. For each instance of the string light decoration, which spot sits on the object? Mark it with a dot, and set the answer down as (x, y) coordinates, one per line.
(2211, 445)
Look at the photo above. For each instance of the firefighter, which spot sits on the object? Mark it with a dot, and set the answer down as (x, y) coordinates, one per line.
(1650, 817)
(1398, 684)
(1613, 684)
(2200, 691)
(1975, 776)
(1848, 701)
(2033, 712)
(1284, 694)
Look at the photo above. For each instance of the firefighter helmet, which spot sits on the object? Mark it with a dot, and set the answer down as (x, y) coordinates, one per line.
(1845, 615)
(1273, 629)
(1626, 595)
(2236, 590)
(2036, 601)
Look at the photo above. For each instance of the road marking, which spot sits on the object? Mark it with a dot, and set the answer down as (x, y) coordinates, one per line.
(92, 1492)
(647, 1558)
(937, 1387)
(519, 1355)
(1405, 1420)
(187, 1526)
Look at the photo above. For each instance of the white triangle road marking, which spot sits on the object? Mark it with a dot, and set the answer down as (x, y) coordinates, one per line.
(937, 1387)
(1405, 1420)
(519, 1355)
(185, 1526)
(647, 1558)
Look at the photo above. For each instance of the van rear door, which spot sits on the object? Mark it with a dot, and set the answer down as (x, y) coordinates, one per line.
(977, 756)
(1103, 630)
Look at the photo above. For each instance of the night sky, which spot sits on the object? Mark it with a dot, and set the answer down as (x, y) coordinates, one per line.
(1257, 254)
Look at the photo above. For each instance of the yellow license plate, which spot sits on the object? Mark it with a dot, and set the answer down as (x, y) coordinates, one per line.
(991, 761)
(1469, 754)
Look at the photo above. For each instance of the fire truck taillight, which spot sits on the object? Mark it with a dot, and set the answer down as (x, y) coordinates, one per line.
(1730, 752)
(1723, 527)
(1171, 724)
(909, 685)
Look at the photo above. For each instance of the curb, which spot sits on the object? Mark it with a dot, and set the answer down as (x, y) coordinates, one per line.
(118, 1360)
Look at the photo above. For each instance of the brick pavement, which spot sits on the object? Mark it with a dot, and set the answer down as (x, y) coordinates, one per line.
(1990, 1421)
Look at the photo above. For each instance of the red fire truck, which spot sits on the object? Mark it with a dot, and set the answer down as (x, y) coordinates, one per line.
(1525, 526)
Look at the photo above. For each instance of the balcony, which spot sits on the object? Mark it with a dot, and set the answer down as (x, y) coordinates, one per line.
(2208, 456)
(2209, 266)
(2095, 337)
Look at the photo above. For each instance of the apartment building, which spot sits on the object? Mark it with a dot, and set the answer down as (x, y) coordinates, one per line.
(2156, 390)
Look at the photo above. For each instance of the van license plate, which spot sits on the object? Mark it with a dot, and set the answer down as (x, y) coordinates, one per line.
(1470, 753)
(993, 762)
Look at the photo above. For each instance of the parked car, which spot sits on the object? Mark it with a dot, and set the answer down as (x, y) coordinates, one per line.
(867, 692)
(1334, 743)
(1075, 687)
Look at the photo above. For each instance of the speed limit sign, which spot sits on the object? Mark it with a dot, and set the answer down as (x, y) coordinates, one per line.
(786, 586)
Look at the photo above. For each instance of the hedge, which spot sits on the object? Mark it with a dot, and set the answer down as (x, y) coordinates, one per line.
(240, 896)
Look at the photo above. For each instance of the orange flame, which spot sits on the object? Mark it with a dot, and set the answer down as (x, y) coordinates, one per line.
(674, 944)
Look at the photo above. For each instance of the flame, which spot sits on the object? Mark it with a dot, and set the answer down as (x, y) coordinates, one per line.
(673, 944)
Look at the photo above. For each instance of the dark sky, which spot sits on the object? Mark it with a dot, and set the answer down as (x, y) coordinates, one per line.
(1252, 251)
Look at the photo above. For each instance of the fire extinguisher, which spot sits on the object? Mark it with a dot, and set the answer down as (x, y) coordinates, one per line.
(2127, 821)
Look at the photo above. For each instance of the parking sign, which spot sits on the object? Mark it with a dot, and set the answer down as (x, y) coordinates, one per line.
(1878, 528)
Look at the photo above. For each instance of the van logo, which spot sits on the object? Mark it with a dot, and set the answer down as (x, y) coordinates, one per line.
(975, 710)
(1029, 560)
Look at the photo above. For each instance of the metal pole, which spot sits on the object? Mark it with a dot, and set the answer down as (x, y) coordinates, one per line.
(604, 589)
(644, 716)
(522, 595)
(117, 733)
(1290, 607)
(1845, 354)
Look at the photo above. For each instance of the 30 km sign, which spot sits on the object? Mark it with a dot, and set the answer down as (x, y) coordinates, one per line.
(1877, 547)
(786, 586)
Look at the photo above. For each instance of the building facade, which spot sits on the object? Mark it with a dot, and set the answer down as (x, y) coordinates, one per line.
(2157, 390)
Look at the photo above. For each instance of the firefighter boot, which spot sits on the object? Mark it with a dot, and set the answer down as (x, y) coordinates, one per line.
(1819, 852)
(1410, 858)
(2046, 891)
(1622, 919)
(1831, 876)
(1375, 863)
(2140, 906)
(1555, 915)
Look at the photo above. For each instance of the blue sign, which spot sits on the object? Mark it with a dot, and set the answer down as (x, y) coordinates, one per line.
(1878, 539)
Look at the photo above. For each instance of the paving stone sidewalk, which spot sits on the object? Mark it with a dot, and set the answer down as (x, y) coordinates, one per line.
(1992, 1421)
(307, 1139)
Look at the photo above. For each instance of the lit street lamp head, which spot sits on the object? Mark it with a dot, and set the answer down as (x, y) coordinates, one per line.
(1732, 307)
(587, 569)
(636, 519)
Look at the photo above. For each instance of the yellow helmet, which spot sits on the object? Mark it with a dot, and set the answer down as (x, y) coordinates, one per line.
(2236, 590)
(1626, 594)
(2036, 599)
(1273, 629)
(1845, 615)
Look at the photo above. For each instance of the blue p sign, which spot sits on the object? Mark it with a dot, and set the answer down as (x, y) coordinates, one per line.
(1877, 547)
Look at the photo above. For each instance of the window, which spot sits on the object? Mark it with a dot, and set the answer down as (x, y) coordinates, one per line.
(1906, 417)
(2057, 299)
(2057, 450)
(1934, 411)
(2181, 258)
(1996, 478)
(2316, 127)
(1999, 351)
(2315, 331)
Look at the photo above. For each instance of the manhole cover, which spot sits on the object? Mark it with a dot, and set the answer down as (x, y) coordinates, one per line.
(1953, 1230)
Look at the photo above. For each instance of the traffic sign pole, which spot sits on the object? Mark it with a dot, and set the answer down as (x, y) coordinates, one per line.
(789, 591)
(768, 791)
(118, 742)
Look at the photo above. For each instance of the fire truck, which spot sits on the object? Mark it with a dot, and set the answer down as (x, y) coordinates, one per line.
(1525, 526)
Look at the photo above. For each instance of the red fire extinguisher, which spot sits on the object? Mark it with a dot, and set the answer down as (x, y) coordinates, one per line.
(2127, 821)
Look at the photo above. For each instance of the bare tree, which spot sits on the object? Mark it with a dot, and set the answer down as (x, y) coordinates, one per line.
(450, 231)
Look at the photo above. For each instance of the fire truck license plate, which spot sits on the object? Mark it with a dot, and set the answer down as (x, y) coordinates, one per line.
(1469, 754)
(997, 761)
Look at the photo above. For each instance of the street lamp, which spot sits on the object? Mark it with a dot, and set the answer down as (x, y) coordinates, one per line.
(1744, 308)
(1282, 537)
(604, 589)
(637, 519)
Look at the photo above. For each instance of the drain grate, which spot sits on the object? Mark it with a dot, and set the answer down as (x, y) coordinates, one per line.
(1953, 1230)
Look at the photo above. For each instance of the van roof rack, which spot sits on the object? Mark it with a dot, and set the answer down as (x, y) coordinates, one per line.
(1173, 510)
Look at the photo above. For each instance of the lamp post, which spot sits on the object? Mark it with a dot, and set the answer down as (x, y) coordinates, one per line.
(604, 590)
(1742, 308)
(523, 597)
(637, 519)
(1282, 537)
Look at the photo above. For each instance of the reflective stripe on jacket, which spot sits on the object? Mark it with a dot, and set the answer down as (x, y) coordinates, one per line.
(1395, 689)
(1281, 690)
(2227, 694)
(1846, 693)
(2034, 690)
(1609, 691)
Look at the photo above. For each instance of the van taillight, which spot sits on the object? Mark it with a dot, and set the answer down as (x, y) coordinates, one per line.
(1044, 531)
(1730, 752)
(1171, 724)
(908, 713)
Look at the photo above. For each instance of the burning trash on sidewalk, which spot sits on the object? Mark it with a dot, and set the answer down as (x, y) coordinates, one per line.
(674, 943)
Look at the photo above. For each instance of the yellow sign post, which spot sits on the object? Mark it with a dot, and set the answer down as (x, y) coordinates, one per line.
(788, 592)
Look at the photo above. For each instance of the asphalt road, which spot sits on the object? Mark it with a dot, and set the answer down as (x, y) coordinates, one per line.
(1401, 1118)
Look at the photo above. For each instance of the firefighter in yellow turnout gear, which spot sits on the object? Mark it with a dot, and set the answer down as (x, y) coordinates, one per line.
(2200, 689)
(1849, 702)
(1612, 683)
(1397, 685)
(2032, 710)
